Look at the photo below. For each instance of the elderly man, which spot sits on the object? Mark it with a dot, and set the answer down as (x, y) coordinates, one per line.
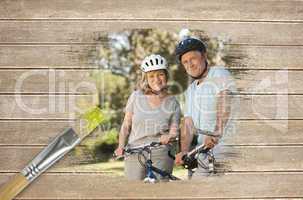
(207, 101)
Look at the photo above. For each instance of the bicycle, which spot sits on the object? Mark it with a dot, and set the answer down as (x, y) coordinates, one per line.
(190, 160)
(147, 163)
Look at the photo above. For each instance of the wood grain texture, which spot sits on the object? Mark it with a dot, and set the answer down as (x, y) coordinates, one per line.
(247, 132)
(269, 81)
(47, 81)
(103, 187)
(29, 132)
(265, 132)
(48, 106)
(16, 158)
(34, 56)
(265, 57)
(269, 107)
(81, 81)
(155, 10)
(88, 31)
(267, 152)
(79, 56)
(63, 106)
(235, 158)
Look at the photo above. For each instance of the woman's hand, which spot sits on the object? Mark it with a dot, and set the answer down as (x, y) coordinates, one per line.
(165, 139)
(119, 151)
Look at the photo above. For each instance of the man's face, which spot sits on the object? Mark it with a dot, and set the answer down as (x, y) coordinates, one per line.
(194, 62)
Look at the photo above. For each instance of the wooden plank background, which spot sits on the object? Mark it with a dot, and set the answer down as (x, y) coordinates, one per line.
(51, 41)
(66, 81)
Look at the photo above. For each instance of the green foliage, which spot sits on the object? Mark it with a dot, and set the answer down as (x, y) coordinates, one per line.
(113, 93)
(100, 148)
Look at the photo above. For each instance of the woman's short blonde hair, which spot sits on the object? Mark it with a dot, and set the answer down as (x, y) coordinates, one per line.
(143, 83)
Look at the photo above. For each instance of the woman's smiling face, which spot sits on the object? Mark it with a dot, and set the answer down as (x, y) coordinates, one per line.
(157, 79)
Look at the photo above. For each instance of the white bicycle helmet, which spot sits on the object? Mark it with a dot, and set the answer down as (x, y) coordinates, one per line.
(153, 62)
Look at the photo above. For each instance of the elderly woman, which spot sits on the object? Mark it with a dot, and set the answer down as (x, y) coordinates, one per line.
(151, 115)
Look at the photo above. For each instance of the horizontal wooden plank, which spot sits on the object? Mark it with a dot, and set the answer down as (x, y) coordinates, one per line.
(31, 132)
(265, 57)
(265, 132)
(62, 106)
(230, 159)
(260, 158)
(247, 132)
(47, 81)
(270, 81)
(232, 186)
(19, 157)
(81, 81)
(48, 106)
(34, 56)
(196, 10)
(268, 107)
(78, 56)
(92, 31)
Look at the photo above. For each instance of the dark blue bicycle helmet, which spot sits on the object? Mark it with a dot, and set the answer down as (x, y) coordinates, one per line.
(189, 44)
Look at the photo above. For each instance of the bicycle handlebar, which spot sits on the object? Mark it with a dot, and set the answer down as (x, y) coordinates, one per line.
(199, 149)
(141, 148)
(137, 149)
(189, 159)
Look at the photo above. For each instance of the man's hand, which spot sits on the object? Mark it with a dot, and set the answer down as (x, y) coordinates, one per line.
(178, 159)
(210, 141)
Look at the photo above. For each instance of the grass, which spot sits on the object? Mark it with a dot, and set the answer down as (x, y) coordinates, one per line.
(115, 168)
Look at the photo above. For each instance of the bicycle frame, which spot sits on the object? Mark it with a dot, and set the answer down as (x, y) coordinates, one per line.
(150, 169)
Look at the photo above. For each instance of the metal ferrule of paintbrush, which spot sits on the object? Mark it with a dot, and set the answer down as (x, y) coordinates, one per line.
(60, 145)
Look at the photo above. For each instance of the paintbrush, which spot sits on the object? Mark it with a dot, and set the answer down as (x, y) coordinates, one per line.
(55, 150)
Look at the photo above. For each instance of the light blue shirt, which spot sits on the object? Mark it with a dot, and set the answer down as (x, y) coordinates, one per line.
(201, 100)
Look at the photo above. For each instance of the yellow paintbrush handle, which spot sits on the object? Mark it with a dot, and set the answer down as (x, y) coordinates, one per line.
(13, 187)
